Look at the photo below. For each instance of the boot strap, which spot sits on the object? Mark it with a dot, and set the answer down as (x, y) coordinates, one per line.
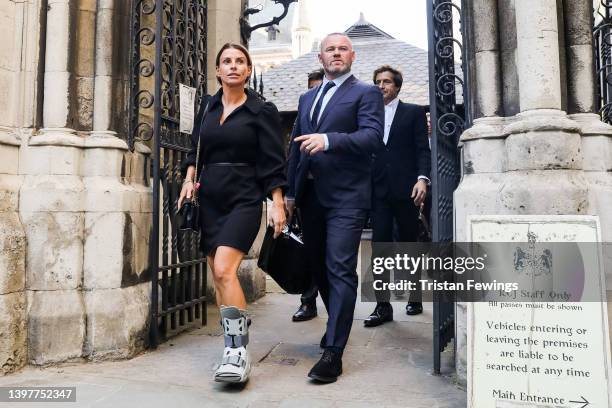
(236, 341)
(234, 360)
(235, 327)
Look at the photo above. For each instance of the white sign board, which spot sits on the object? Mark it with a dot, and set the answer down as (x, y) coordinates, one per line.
(187, 96)
(538, 354)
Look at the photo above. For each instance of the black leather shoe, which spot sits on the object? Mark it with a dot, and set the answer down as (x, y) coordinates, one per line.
(328, 368)
(381, 314)
(305, 312)
(414, 308)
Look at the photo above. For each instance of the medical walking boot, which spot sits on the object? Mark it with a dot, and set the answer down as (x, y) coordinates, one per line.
(236, 364)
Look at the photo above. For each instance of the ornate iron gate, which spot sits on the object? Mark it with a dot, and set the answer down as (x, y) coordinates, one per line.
(168, 49)
(602, 34)
(448, 120)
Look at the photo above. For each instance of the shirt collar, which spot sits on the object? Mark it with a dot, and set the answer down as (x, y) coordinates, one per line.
(393, 103)
(338, 81)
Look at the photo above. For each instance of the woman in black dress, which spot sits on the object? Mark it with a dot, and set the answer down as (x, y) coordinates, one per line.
(242, 161)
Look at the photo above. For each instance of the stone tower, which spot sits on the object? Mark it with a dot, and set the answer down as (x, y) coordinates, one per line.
(301, 33)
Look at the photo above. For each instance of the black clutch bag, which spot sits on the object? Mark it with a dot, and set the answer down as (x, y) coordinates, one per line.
(190, 212)
(284, 259)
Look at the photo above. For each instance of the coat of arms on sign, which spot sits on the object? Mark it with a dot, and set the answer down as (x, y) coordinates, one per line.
(531, 261)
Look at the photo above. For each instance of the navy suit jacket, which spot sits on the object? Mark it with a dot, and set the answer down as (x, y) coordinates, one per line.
(353, 120)
(405, 157)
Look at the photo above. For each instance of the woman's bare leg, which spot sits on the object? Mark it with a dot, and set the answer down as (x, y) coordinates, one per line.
(211, 262)
(224, 265)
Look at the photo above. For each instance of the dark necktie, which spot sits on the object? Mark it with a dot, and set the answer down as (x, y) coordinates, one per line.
(317, 109)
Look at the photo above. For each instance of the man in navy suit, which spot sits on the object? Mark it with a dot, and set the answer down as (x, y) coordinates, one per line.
(400, 177)
(338, 128)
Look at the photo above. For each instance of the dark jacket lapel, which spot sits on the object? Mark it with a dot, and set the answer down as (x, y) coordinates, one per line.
(397, 120)
(311, 96)
(346, 85)
(308, 101)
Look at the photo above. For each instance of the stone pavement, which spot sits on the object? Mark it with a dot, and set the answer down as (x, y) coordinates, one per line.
(388, 366)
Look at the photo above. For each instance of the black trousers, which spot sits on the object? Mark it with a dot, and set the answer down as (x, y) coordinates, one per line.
(331, 238)
(394, 221)
(310, 296)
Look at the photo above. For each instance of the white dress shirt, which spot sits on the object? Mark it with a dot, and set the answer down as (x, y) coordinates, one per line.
(390, 110)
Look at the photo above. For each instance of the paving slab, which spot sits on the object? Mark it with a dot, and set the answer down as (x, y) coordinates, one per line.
(386, 366)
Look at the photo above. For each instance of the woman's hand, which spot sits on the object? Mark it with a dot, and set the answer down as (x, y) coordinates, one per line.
(277, 217)
(188, 187)
(186, 192)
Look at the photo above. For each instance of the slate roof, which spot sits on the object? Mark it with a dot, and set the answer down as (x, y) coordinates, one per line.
(284, 84)
(363, 30)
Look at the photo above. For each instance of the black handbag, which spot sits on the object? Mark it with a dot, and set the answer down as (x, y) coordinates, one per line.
(190, 211)
(285, 260)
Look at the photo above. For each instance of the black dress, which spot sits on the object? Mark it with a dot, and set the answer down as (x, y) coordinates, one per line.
(242, 161)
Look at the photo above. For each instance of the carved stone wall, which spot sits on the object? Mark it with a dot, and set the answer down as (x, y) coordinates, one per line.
(75, 203)
(536, 146)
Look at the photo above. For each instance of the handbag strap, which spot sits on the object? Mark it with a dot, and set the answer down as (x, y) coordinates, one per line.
(197, 175)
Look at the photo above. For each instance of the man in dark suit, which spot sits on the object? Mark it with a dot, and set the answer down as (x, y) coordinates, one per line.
(338, 128)
(400, 179)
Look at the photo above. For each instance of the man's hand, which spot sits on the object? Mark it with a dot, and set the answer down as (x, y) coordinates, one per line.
(418, 192)
(311, 143)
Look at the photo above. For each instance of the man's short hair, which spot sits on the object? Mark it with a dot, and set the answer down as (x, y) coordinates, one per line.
(398, 79)
(332, 34)
(316, 75)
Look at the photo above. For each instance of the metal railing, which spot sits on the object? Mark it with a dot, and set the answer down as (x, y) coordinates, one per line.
(448, 120)
(168, 48)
